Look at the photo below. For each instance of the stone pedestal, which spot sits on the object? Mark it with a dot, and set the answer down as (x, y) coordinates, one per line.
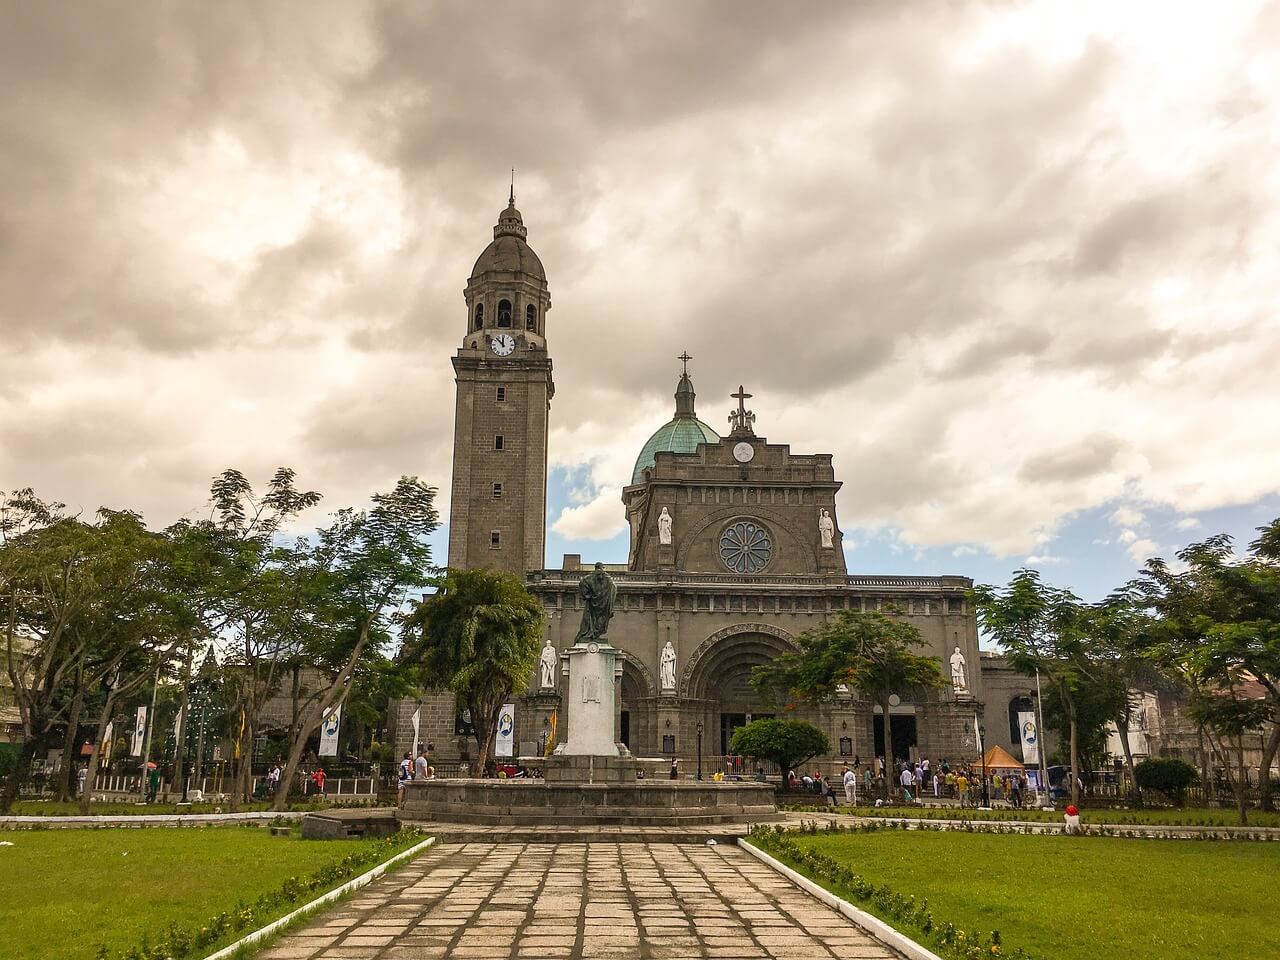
(590, 705)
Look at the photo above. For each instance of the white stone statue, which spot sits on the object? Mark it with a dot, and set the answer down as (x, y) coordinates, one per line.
(664, 527)
(827, 528)
(668, 667)
(957, 672)
(547, 666)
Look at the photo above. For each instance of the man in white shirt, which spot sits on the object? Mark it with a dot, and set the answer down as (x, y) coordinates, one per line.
(850, 786)
(908, 778)
(420, 766)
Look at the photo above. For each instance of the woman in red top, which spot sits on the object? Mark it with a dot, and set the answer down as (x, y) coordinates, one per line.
(317, 777)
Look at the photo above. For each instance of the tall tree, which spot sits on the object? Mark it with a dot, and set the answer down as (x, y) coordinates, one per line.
(478, 636)
(869, 651)
(1044, 628)
(1219, 631)
(365, 567)
(258, 596)
(69, 591)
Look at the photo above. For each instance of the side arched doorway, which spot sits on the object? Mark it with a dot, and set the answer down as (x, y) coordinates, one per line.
(716, 684)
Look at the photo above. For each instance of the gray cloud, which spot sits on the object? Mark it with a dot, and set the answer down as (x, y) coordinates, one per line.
(238, 233)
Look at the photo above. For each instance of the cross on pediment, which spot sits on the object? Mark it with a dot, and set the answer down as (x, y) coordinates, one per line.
(742, 418)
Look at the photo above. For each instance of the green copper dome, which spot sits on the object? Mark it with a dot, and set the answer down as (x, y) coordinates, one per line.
(681, 435)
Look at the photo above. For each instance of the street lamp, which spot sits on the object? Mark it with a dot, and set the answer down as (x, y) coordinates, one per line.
(982, 746)
(699, 749)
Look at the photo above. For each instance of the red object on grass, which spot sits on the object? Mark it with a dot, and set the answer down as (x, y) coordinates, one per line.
(1071, 810)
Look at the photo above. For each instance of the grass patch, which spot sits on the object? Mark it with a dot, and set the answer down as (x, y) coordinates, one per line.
(49, 808)
(70, 892)
(1073, 898)
(1189, 817)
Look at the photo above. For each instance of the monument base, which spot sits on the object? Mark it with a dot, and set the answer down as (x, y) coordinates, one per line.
(635, 803)
(574, 768)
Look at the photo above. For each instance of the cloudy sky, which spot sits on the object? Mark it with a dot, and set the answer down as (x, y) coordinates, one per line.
(1014, 265)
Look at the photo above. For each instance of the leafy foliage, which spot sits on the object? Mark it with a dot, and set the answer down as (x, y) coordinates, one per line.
(1169, 775)
(869, 651)
(788, 743)
(478, 636)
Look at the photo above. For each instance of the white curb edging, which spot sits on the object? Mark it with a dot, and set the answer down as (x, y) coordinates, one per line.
(334, 894)
(872, 925)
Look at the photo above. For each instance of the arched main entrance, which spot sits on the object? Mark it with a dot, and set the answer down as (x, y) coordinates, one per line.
(717, 681)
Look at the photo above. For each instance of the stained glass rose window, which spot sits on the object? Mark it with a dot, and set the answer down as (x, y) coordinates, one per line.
(746, 547)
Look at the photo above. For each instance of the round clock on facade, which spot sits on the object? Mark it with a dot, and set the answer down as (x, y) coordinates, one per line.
(503, 344)
(743, 452)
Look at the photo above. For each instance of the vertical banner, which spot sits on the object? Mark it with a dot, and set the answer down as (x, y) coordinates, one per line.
(329, 724)
(139, 733)
(417, 737)
(504, 743)
(1030, 735)
(108, 738)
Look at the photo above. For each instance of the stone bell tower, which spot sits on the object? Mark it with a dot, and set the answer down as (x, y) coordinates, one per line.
(498, 511)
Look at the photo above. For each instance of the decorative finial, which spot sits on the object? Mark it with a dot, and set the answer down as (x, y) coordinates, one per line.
(685, 358)
(512, 198)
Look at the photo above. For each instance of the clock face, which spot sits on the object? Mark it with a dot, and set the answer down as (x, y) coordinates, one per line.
(503, 344)
(743, 452)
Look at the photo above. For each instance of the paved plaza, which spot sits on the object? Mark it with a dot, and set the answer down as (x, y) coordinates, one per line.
(580, 900)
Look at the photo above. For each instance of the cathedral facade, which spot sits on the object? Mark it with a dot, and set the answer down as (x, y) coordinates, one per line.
(735, 549)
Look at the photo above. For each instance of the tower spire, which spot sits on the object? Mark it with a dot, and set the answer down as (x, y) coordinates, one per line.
(684, 390)
(511, 199)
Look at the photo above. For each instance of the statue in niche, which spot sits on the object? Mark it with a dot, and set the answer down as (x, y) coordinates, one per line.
(547, 667)
(667, 668)
(598, 593)
(827, 529)
(958, 679)
(664, 527)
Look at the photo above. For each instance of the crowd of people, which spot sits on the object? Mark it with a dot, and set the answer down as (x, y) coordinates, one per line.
(918, 780)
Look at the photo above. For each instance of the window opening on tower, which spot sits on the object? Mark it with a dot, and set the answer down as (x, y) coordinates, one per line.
(504, 313)
(531, 317)
(479, 315)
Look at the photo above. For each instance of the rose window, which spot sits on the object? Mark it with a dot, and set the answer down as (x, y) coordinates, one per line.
(746, 547)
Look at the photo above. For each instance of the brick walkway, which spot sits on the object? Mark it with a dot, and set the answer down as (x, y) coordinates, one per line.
(577, 900)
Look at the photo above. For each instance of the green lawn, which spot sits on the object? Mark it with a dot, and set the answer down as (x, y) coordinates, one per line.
(1190, 816)
(48, 808)
(1081, 898)
(65, 892)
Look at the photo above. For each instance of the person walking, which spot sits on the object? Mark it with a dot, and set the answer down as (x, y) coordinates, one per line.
(405, 774)
(850, 786)
(962, 788)
(318, 778)
(936, 785)
(907, 780)
(675, 765)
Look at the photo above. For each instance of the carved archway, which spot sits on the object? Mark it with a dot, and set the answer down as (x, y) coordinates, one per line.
(631, 664)
(710, 644)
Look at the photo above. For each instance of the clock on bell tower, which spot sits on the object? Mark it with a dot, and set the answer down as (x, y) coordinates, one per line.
(498, 510)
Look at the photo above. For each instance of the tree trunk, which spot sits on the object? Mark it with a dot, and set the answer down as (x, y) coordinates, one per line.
(1122, 728)
(890, 786)
(91, 775)
(486, 723)
(21, 772)
(1264, 771)
(1075, 750)
(63, 793)
(1242, 783)
(296, 747)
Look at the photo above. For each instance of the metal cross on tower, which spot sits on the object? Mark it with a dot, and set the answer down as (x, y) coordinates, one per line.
(685, 358)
